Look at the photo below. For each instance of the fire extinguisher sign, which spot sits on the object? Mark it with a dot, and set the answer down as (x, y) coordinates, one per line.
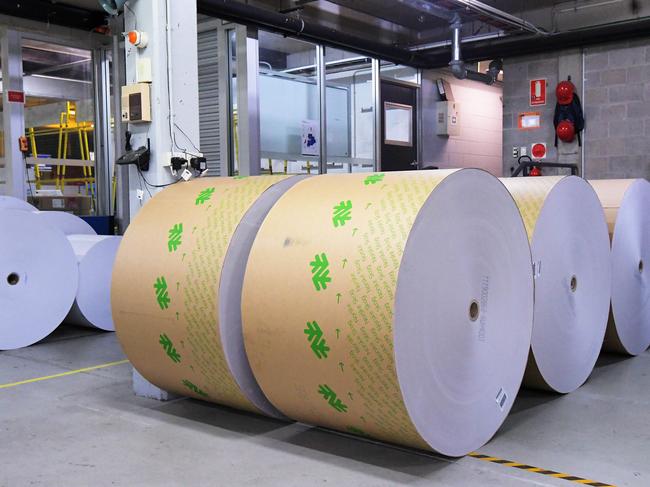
(537, 92)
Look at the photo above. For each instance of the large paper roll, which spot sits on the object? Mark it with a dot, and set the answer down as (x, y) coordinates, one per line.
(571, 262)
(11, 203)
(96, 257)
(68, 223)
(393, 305)
(174, 290)
(627, 208)
(38, 279)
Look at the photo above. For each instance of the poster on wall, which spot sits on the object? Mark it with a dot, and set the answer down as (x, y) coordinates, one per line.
(537, 92)
(310, 138)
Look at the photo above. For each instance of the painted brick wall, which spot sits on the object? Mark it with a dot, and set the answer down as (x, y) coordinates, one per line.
(616, 103)
(479, 142)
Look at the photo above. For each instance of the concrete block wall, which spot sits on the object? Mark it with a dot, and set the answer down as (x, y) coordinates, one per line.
(616, 104)
(617, 107)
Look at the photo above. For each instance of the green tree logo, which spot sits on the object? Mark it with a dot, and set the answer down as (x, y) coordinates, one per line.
(320, 271)
(162, 295)
(204, 196)
(342, 213)
(195, 389)
(374, 178)
(315, 336)
(240, 177)
(329, 395)
(175, 235)
(356, 431)
(168, 346)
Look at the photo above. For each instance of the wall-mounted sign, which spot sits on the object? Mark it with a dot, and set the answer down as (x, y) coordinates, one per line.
(538, 150)
(16, 96)
(529, 120)
(310, 138)
(537, 92)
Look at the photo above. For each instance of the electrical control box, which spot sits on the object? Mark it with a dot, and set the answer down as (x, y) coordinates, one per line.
(136, 103)
(447, 122)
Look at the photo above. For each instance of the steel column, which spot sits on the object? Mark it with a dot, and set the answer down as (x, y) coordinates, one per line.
(248, 106)
(13, 113)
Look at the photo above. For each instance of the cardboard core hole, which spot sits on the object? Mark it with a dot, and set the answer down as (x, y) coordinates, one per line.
(473, 311)
(13, 279)
(640, 266)
(574, 283)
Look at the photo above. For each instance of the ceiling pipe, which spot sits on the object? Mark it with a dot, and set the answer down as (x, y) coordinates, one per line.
(458, 67)
(241, 13)
(523, 45)
(501, 16)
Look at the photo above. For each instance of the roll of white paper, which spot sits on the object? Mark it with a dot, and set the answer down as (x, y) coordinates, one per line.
(38, 279)
(627, 207)
(396, 306)
(96, 256)
(11, 203)
(571, 263)
(68, 223)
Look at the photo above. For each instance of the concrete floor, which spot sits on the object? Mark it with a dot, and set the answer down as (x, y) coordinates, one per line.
(89, 429)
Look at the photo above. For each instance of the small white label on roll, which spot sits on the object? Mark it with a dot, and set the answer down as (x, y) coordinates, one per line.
(186, 175)
(501, 398)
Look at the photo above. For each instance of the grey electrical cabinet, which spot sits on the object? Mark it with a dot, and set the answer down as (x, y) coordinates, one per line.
(447, 122)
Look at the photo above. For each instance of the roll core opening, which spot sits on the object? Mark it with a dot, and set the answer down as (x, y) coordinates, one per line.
(474, 310)
(13, 279)
(574, 283)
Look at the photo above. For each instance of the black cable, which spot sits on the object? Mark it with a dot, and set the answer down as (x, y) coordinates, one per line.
(189, 140)
(155, 185)
(29, 183)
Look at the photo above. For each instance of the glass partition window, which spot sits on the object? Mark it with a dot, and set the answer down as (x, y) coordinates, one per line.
(289, 105)
(59, 119)
(399, 124)
(349, 112)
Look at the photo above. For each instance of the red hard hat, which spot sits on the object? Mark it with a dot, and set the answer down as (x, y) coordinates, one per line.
(566, 131)
(564, 92)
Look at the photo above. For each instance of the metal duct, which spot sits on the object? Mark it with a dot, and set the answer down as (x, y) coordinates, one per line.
(458, 67)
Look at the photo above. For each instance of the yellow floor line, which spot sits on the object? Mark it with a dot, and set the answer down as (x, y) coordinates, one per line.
(63, 374)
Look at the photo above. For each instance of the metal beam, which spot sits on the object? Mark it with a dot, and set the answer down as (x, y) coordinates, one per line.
(247, 14)
(48, 87)
(53, 13)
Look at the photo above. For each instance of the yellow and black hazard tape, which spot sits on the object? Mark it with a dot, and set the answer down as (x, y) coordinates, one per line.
(541, 471)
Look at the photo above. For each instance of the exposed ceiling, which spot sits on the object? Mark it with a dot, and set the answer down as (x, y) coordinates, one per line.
(414, 32)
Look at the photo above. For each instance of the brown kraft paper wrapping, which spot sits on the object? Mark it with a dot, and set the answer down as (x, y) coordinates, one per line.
(165, 297)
